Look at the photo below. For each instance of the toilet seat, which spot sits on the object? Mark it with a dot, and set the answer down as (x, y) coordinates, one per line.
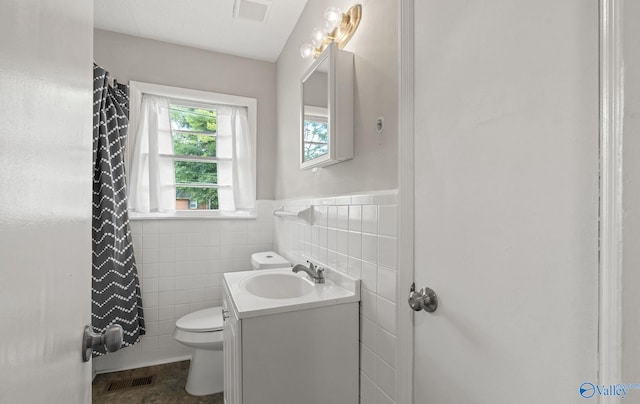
(206, 320)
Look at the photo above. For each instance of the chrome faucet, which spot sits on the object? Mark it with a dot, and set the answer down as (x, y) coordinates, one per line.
(315, 273)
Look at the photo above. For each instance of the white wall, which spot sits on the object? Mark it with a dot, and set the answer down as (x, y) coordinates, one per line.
(45, 199)
(355, 234)
(631, 197)
(374, 166)
(348, 243)
(180, 263)
(131, 58)
(347, 233)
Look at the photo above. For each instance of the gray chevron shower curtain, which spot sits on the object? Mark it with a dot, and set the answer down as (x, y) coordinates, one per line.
(115, 296)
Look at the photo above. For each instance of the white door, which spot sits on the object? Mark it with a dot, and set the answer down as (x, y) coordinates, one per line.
(45, 199)
(506, 199)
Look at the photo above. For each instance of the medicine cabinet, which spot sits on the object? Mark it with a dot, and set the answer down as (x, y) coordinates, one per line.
(327, 109)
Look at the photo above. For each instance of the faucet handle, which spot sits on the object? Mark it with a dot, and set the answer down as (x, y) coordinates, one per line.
(311, 266)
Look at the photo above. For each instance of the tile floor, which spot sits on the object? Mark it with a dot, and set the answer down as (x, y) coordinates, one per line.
(168, 387)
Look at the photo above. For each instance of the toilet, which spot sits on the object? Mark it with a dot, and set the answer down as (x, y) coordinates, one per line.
(202, 331)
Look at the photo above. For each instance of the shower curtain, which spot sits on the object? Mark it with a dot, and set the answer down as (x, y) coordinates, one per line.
(115, 297)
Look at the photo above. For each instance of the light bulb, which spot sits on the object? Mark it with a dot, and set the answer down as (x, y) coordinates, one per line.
(317, 37)
(306, 51)
(332, 18)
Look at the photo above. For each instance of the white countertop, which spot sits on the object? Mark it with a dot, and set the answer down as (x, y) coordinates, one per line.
(338, 288)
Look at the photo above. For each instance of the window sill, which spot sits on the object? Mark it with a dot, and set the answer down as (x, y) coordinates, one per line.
(215, 215)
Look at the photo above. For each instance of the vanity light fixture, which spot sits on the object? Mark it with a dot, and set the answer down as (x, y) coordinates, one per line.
(338, 27)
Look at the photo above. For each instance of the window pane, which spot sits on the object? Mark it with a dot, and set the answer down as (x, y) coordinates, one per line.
(193, 119)
(185, 144)
(188, 198)
(316, 139)
(195, 171)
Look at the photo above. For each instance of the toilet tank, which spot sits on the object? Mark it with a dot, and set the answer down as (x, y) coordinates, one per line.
(268, 260)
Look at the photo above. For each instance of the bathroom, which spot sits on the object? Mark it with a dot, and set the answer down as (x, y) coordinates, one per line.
(510, 231)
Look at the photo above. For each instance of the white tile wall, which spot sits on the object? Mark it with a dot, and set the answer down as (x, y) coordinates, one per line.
(181, 261)
(357, 235)
(180, 264)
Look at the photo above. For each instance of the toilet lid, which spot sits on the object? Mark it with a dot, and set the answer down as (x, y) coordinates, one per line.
(201, 320)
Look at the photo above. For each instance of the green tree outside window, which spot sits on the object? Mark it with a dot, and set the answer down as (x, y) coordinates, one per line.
(184, 121)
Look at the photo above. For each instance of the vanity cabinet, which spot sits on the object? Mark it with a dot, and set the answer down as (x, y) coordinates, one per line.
(308, 356)
(232, 341)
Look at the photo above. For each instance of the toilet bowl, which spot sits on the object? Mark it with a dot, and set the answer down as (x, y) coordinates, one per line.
(202, 331)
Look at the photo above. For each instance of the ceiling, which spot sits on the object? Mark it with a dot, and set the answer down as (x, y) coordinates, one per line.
(205, 24)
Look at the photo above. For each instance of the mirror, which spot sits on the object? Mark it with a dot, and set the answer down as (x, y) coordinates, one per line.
(315, 127)
(327, 109)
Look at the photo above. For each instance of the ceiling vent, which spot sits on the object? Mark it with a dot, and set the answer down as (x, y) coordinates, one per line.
(252, 10)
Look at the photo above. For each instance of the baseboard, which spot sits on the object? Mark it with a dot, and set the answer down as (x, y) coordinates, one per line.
(144, 364)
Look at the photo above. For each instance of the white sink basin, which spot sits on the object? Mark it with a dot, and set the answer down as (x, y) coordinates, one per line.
(272, 291)
(277, 285)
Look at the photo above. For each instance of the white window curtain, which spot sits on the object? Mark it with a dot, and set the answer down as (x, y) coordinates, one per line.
(151, 177)
(236, 167)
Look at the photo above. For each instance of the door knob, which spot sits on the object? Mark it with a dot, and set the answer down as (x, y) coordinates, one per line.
(111, 339)
(423, 299)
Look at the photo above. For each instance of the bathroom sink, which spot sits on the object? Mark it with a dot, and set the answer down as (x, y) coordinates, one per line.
(279, 290)
(277, 285)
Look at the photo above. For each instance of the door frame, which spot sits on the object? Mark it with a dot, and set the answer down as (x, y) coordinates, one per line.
(611, 136)
(406, 184)
(609, 355)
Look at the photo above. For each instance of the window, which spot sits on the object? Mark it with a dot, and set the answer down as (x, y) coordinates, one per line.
(190, 153)
(193, 132)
